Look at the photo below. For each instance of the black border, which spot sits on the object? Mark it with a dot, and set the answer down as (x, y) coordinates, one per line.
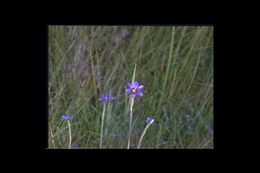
(40, 88)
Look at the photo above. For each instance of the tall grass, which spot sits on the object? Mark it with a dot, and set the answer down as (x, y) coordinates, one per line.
(175, 64)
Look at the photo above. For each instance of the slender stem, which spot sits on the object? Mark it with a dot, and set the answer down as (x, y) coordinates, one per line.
(102, 125)
(130, 122)
(133, 77)
(141, 138)
(69, 134)
(52, 137)
(131, 111)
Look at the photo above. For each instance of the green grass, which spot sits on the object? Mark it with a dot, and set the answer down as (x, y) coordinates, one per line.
(175, 64)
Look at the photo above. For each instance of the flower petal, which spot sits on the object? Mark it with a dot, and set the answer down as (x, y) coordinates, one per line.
(111, 98)
(140, 87)
(133, 95)
(129, 84)
(128, 90)
(102, 97)
(66, 117)
(135, 84)
(139, 93)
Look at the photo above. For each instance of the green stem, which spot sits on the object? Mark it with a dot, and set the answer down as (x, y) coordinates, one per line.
(102, 125)
(130, 122)
(69, 134)
(52, 137)
(141, 138)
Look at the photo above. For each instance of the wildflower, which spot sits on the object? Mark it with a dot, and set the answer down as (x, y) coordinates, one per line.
(106, 98)
(149, 121)
(134, 89)
(66, 117)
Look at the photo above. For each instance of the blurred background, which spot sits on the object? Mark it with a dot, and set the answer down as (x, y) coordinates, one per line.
(174, 63)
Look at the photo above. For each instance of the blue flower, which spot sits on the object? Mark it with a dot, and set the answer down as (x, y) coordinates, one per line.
(106, 98)
(66, 117)
(149, 121)
(134, 89)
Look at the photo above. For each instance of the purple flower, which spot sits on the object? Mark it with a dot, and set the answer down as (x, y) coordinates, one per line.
(66, 117)
(106, 98)
(149, 121)
(134, 89)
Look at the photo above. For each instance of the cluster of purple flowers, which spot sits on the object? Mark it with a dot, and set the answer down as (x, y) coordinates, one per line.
(134, 89)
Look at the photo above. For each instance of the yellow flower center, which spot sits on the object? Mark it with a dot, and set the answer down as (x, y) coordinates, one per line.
(134, 90)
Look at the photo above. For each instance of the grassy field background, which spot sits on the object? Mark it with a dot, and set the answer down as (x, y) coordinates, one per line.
(175, 65)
